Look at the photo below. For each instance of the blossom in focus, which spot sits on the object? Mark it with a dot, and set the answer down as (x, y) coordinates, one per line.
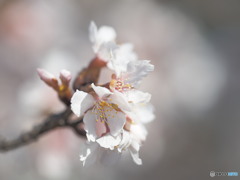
(103, 112)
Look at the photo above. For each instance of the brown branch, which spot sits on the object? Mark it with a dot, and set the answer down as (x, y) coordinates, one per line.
(51, 123)
(82, 82)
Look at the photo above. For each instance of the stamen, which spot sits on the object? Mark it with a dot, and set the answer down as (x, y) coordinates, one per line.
(120, 85)
(104, 110)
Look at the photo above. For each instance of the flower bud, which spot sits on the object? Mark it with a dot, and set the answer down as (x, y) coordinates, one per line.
(48, 78)
(65, 77)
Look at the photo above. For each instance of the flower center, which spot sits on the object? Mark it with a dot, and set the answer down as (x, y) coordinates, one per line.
(104, 110)
(120, 85)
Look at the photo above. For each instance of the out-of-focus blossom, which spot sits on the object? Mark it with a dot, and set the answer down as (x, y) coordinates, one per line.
(130, 139)
(104, 46)
(121, 56)
(102, 39)
(93, 152)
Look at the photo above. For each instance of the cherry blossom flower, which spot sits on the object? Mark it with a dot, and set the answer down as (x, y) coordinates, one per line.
(129, 138)
(103, 112)
(132, 76)
(114, 117)
(103, 41)
(106, 49)
(121, 55)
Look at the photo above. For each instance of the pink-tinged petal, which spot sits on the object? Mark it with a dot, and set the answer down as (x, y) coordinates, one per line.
(48, 78)
(65, 77)
(89, 154)
(102, 92)
(110, 157)
(120, 100)
(108, 141)
(101, 128)
(81, 102)
(116, 121)
(90, 126)
(135, 156)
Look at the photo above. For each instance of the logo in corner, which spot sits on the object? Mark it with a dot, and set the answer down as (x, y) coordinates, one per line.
(212, 173)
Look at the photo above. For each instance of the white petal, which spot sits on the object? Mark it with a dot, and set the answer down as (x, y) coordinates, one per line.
(141, 113)
(136, 96)
(135, 156)
(101, 91)
(99, 37)
(89, 154)
(135, 145)
(92, 32)
(125, 51)
(90, 126)
(110, 157)
(106, 51)
(138, 131)
(116, 121)
(108, 141)
(120, 100)
(138, 70)
(106, 33)
(81, 102)
(145, 112)
(122, 55)
(125, 142)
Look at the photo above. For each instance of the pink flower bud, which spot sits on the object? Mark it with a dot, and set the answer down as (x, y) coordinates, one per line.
(65, 77)
(48, 78)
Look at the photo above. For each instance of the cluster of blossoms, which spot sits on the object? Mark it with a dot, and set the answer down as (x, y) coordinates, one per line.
(115, 113)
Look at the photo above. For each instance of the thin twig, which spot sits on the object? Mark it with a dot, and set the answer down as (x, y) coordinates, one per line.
(51, 123)
(82, 82)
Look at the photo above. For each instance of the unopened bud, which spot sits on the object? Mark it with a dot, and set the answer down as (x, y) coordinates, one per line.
(48, 78)
(65, 77)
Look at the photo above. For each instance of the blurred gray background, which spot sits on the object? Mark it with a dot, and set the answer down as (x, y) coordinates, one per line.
(194, 45)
